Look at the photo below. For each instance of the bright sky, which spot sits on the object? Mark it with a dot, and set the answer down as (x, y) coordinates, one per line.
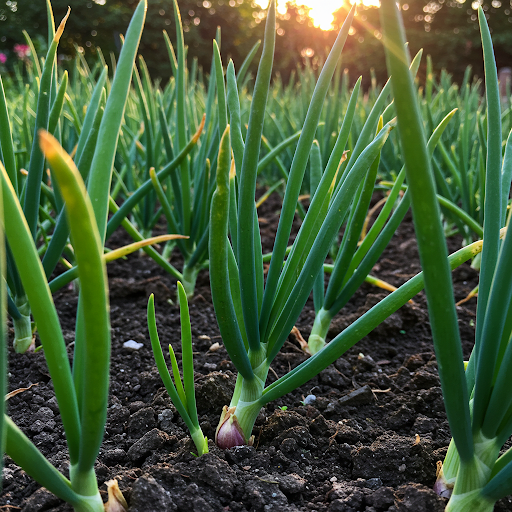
(321, 10)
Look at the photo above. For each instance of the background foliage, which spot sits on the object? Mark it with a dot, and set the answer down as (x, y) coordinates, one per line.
(446, 29)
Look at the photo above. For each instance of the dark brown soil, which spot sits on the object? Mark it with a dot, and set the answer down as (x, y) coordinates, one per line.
(368, 442)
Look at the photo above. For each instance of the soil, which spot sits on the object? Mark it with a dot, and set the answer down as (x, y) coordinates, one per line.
(368, 441)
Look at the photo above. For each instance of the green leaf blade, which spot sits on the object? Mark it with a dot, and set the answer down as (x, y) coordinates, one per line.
(94, 300)
(430, 235)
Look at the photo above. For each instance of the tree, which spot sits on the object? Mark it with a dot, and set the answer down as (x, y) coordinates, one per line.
(445, 29)
(99, 23)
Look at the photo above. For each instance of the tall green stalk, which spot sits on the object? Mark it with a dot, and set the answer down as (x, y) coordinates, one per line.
(255, 319)
(472, 461)
(82, 396)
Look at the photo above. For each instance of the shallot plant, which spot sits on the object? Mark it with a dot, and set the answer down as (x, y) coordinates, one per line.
(478, 401)
(185, 185)
(89, 143)
(360, 254)
(255, 317)
(81, 391)
(182, 392)
(82, 401)
(183, 145)
(28, 189)
(357, 248)
(93, 141)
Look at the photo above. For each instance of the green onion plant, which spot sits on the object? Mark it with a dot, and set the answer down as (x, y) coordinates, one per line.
(356, 258)
(85, 138)
(353, 252)
(477, 401)
(91, 138)
(82, 403)
(81, 391)
(180, 142)
(254, 316)
(28, 189)
(182, 392)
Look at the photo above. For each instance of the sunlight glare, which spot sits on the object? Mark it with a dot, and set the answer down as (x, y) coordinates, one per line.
(321, 10)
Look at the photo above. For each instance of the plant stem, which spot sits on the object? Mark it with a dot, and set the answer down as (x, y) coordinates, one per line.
(473, 475)
(316, 340)
(85, 484)
(189, 279)
(90, 504)
(200, 441)
(473, 501)
(252, 391)
(22, 326)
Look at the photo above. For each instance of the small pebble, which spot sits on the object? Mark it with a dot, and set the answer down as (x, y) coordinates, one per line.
(132, 345)
(373, 483)
(309, 399)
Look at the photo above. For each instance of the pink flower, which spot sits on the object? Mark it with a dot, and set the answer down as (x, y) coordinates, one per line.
(22, 51)
(3, 58)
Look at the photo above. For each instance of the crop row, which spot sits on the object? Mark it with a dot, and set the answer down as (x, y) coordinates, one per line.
(85, 153)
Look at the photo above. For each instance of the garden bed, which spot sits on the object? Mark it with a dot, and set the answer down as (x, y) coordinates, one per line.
(369, 441)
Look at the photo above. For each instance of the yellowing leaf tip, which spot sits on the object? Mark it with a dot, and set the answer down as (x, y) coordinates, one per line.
(60, 30)
(47, 143)
(200, 129)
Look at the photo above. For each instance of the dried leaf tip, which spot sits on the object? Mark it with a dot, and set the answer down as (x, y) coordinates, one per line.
(60, 30)
(232, 172)
(116, 501)
(199, 130)
(442, 487)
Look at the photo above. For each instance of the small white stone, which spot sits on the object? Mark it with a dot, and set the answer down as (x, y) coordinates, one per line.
(132, 345)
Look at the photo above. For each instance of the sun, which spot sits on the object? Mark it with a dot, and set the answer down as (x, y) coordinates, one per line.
(321, 10)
